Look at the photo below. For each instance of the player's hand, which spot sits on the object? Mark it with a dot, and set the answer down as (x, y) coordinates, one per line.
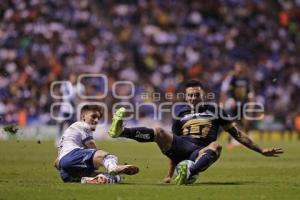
(167, 179)
(274, 152)
(55, 164)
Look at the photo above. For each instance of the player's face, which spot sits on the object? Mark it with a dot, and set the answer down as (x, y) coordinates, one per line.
(194, 95)
(92, 118)
(240, 69)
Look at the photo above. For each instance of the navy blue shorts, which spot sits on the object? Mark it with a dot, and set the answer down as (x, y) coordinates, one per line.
(182, 149)
(77, 164)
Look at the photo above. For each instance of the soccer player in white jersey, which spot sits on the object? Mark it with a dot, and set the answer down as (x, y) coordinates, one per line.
(78, 156)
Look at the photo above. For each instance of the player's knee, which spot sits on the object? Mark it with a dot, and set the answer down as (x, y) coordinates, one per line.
(99, 155)
(108, 157)
(159, 132)
(216, 147)
(163, 139)
(102, 157)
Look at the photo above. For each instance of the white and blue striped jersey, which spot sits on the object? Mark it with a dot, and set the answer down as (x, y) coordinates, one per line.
(74, 137)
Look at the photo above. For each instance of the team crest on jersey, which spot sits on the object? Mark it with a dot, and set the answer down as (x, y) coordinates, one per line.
(198, 128)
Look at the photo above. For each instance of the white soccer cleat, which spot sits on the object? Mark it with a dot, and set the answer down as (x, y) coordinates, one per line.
(101, 179)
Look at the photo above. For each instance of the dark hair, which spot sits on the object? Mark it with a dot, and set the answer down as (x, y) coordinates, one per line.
(193, 83)
(93, 107)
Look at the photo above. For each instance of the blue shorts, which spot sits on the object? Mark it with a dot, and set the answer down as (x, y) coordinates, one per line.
(77, 164)
(182, 149)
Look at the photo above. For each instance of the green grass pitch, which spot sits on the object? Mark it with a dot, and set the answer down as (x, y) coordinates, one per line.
(26, 172)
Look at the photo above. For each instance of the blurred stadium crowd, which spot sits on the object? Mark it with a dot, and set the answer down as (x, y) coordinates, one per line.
(155, 44)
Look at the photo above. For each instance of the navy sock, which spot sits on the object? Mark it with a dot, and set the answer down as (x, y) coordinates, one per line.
(203, 161)
(140, 134)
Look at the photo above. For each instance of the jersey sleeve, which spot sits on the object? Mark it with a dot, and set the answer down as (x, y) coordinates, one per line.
(86, 136)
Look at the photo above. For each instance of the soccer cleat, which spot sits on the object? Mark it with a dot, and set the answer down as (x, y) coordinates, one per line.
(124, 169)
(182, 175)
(101, 179)
(116, 127)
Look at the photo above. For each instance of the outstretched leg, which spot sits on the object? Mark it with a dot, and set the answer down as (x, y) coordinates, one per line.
(110, 162)
(141, 134)
(204, 158)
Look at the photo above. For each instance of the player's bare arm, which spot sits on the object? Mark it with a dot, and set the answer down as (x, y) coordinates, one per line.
(55, 163)
(90, 144)
(171, 169)
(237, 134)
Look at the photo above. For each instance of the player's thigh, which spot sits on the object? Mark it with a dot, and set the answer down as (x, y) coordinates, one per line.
(181, 149)
(76, 164)
(98, 158)
(163, 139)
(77, 157)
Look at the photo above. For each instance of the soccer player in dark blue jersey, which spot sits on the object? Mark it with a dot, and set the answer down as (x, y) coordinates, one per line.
(195, 130)
(236, 91)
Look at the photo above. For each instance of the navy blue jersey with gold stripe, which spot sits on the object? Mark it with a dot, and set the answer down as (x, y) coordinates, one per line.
(201, 126)
(239, 88)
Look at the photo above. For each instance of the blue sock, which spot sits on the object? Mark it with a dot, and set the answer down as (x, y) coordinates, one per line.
(203, 161)
(140, 134)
